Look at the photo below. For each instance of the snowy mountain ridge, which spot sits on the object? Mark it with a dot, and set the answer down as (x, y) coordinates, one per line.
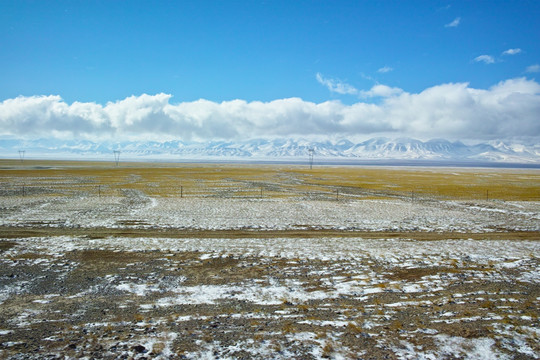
(277, 149)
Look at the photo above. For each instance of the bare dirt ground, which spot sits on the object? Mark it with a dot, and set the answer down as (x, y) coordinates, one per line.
(275, 264)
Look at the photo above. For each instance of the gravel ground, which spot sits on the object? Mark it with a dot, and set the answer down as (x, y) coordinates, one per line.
(119, 298)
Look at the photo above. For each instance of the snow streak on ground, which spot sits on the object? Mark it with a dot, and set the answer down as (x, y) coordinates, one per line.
(269, 298)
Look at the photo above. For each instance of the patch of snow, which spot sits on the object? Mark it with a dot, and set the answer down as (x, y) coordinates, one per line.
(138, 289)
(474, 349)
(452, 347)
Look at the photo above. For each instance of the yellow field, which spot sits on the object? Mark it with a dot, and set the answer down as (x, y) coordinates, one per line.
(233, 180)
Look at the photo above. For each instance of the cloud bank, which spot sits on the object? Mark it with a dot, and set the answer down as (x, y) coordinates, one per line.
(508, 109)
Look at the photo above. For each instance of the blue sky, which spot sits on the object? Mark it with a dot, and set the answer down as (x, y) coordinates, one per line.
(351, 52)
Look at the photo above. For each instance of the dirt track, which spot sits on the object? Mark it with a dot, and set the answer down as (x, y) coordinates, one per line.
(9, 232)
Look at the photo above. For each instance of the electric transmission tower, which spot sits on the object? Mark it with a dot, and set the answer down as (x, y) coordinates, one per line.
(21, 155)
(311, 151)
(116, 156)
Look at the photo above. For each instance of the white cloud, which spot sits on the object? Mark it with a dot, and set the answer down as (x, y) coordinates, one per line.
(454, 23)
(488, 59)
(385, 69)
(453, 111)
(533, 68)
(377, 90)
(43, 115)
(380, 90)
(512, 51)
(336, 86)
(458, 111)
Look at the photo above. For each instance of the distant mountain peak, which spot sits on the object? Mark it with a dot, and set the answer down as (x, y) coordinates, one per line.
(379, 148)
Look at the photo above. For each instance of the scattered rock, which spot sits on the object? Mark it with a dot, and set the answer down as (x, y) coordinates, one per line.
(140, 349)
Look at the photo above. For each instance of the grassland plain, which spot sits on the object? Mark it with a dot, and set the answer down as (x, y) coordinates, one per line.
(267, 261)
(167, 180)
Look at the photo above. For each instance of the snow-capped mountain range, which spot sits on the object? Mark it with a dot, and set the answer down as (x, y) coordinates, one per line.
(276, 150)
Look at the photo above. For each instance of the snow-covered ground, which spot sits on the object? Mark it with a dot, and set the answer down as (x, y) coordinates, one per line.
(138, 210)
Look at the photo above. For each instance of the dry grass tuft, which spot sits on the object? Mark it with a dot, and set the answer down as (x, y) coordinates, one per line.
(328, 350)
(6, 245)
(354, 328)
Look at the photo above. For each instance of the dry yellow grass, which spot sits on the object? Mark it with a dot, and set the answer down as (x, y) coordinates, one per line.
(455, 183)
(178, 179)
